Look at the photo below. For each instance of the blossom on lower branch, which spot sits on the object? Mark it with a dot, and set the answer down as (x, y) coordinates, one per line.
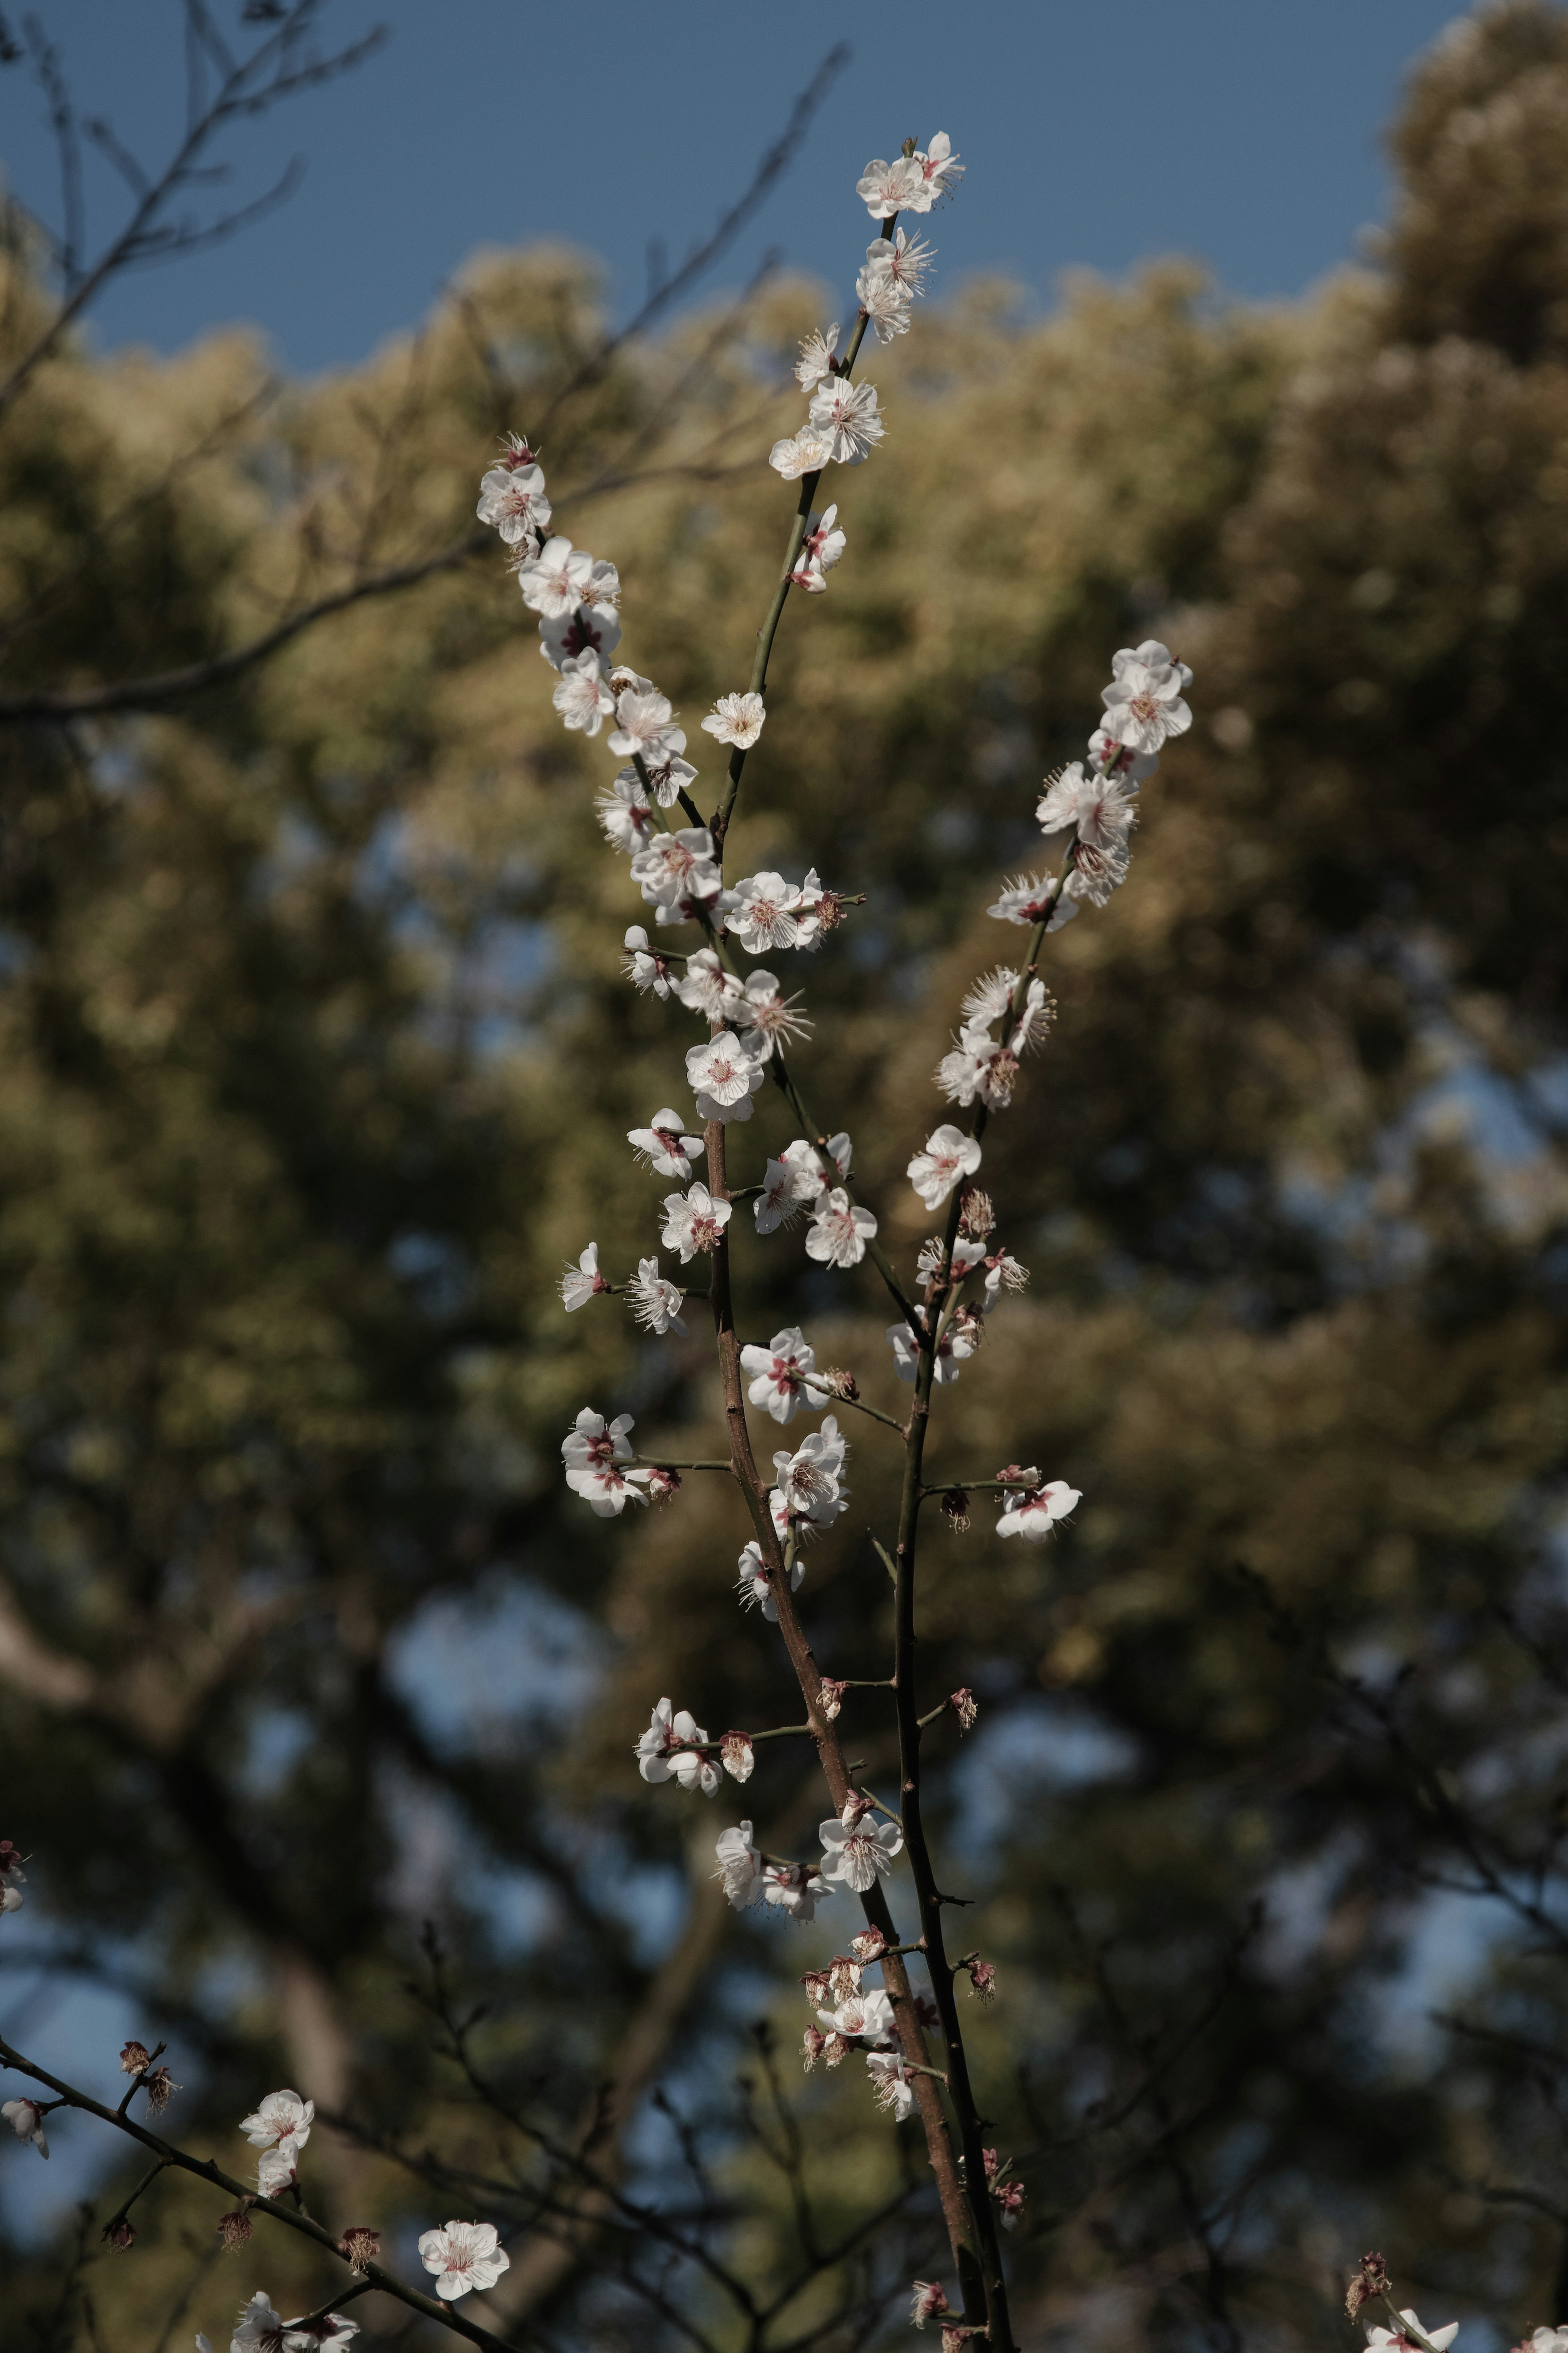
(262, 2330)
(779, 1375)
(724, 1073)
(840, 1230)
(1035, 1513)
(754, 1584)
(795, 1888)
(463, 2255)
(594, 1451)
(1144, 703)
(654, 1300)
(949, 1154)
(583, 1282)
(693, 1221)
(25, 2119)
(736, 719)
(663, 1148)
(852, 1853)
(807, 1491)
(893, 2083)
(675, 1748)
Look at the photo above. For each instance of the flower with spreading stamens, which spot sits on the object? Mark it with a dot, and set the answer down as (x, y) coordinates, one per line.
(643, 964)
(677, 866)
(816, 359)
(754, 1584)
(512, 500)
(1144, 706)
(929, 2299)
(655, 1300)
(949, 1156)
(645, 725)
(736, 719)
(693, 1221)
(668, 776)
(582, 697)
(891, 2082)
(1035, 1513)
(562, 577)
(463, 2256)
(939, 173)
(808, 1490)
(775, 1018)
(884, 303)
(855, 1849)
(623, 814)
(778, 1375)
(583, 1282)
(888, 188)
(789, 1182)
(861, 2016)
(740, 1865)
(281, 2116)
(724, 1073)
(594, 1451)
(709, 989)
(840, 1230)
(765, 911)
(845, 414)
(902, 258)
(1030, 896)
(1103, 808)
(663, 1148)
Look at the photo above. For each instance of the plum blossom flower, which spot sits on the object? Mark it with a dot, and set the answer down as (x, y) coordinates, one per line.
(281, 2116)
(644, 725)
(737, 1756)
(1029, 897)
(949, 1156)
(807, 1491)
(594, 1451)
(764, 1011)
(512, 500)
(463, 2255)
(955, 1344)
(861, 2016)
(261, 2329)
(845, 414)
(1095, 873)
(1144, 704)
(583, 1282)
(736, 719)
(693, 1221)
(885, 304)
(1103, 808)
(940, 172)
(990, 996)
(579, 633)
(765, 911)
(816, 359)
(754, 1584)
(675, 868)
(562, 577)
(655, 1300)
(778, 1375)
(644, 966)
(1395, 2340)
(12, 1878)
(893, 2083)
(1003, 1272)
(887, 188)
(25, 2119)
(740, 1865)
(1544, 2340)
(928, 2300)
(820, 549)
(674, 1748)
(724, 1073)
(668, 775)
(582, 697)
(855, 1849)
(903, 259)
(1035, 1513)
(709, 989)
(789, 1182)
(1133, 768)
(795, 1888)
(278, 2169)
(623, 814)
(805, 452)
(840, 1230)
(663, 1148)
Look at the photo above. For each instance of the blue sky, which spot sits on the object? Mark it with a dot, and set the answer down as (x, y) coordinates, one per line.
(1246, 132)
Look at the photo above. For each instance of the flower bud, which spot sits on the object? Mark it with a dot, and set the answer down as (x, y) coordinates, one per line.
(1371, 2279)
(814, 2042)
(121, 2235)
(360, 2246)
(832, 1698)
(965, 1706)
(135, 2058)
(955, 1511)
(233, 2229)
(662, 1484)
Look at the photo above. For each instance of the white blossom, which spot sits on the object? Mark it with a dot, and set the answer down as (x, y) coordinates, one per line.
(593, 1450)
(990, 996)
(278, 2169)
(796, 1888)
(1027, 898)
(736, 719)
(1103, 808)
(820, 549)
(778, 1374)
(846, 414)
(724, 1073)
(966, 1254)
(663, 1148)
(12, 1878)
(261, 2329)
(1393, 2340)
(1004, 1273)
(563, 578)
(582, 697)
(578, 633)
(808, 1484)
(887, 188)
(815, 361)
(644, 725)
(949, 1156)
(693, 1221)
(677, 867)
(667, 777)
(643, 964)
(581, 1282)
(754, 1584)
(772, 1016)
(281, 2116)
(512, 500)
(856, 1848)
(740, 1865)
(885, 305)
(765, 911)
(1144, 703)
(672, 1749)
(893, 2083)
(955, 1343)
(1033, 1513)
(805, 452)
(1133, 768)
(940, 172)
(26, 2120)
(904, 260)
(463, 2255)
(863, 2018)
(708, 988)
(624, 813)
(1544, 2340)
(737, 1756)
(788, 1184)
(1095, 873)
(840, 1230)
(654, 1300)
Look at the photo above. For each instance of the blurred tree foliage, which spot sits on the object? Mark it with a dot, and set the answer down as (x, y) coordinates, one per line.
(317, 1061)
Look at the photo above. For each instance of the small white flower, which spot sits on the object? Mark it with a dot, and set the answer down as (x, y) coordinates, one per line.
(740, 1865)
(463, 2255)
(885, 305)
(512, 500)
(581, 1281)
(643, 965)
(724, 1073)
(1096, 873)
(654, 1300)
(281, 2116)
(693, 1221)
(788, 1184)
(1133, 768)
(558, 579)
(888, 188)
(579, 633)
(1033, 1514)
(278, 2169)
(668, 776)
(846, 414)
(708, 988)
(675, 868)
(623, 811)
(1102, 809)
(754, 1584)
(737, 1756)
(261, 2329)
(773, 1016)
(1004, 1273)
(582, 697)
(26, 2120)
(778, 1375)
(1394, 2340)
(819, 550)
(593, 1450)
(940, 172)
(863, 2018)
(765, 911)
(1144, 703)
(807, 1485)
(949, 1156)
(663, 1148)
(671, 1749)
(855, 1849)
(893, 2083)
(953, 1346)
(643, 725)
(805, 452)
(736, 719)
(815, 354)
(839, 1231)
(1028, 897)
(796, 1888)
(12, 1878)
(990, 996)
(902, 258)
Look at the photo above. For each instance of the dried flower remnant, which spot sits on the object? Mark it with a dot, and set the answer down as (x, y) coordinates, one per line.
(360, 2246)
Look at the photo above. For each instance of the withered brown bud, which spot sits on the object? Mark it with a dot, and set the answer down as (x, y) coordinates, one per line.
(233, 2229)
(135, 2058)
(975, 1215)
(843, 1975)
(1370, 2279)
(121, 2235)
(833, 1693)
(964, 1705)
(955, 1511)
(158, 2087)
(842, 1384)
(814, 2042)
(818, 1984)
(361, 2245)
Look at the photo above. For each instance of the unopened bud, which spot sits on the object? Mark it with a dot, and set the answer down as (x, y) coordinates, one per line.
(135, 2058)
(955, 1511)
(868, 1945)
(843, 1975)
(813, 2043)
(982, 1978)
(233, 2229)
(855, 1810)
(1009, 2196)
(975, 1215)
(158, 2087)
(121, 2235)
(662, 1484)
(965, 1706)
(832, 1698)
(360, 2246)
